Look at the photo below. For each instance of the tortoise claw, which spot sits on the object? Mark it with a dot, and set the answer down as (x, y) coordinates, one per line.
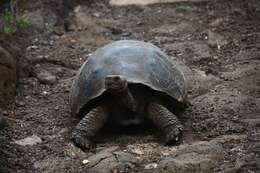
(173, 136)
(84, 143)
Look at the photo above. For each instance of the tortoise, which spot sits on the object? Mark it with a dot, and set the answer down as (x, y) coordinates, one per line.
(125, 83)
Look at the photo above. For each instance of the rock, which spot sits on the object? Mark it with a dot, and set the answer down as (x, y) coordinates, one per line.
(216, 22)
(111, 160)
(33, 47)
(198, 157)
(106, 153)
(190, 162)
(136, 151)
(235, 139)
(32, 140)
(151, 166)
(146, 2)
(7, 76)
(126, 157)
(85, 161)
(212, 148)
(46, 77)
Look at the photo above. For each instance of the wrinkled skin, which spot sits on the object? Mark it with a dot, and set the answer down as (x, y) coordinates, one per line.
(126, 106)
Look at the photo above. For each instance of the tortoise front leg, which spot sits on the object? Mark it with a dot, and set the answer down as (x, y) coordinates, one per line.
(88, 127)
(166, 121)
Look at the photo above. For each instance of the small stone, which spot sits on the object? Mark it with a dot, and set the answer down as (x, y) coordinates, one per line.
(56, 107)
(39, 58)
(96, 14)
(216, 22)
(140, 23)
(165, 154)
(101, 155)
(73, 41)
(32, 140)
(85, 161)
(63, 131)
(46, 77)
(151, 166)
(31, 47)
(36, 39)
(137, 151)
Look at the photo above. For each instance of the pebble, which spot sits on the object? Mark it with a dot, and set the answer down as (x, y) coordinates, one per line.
(73, 41)
(31, 140)
(96, 15)
(45, 92)
(85, 161)
(137, 151)
(151, 166)
(46, 77)
(31, 47)
(165, 154)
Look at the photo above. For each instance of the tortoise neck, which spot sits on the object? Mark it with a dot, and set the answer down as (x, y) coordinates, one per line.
(126, 98)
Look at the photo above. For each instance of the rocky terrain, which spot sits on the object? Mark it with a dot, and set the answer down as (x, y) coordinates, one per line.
(217, 44)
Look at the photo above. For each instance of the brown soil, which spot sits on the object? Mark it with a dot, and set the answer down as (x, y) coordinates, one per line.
(218, 41)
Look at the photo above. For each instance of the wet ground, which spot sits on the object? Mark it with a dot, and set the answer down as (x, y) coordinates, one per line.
(218, 46)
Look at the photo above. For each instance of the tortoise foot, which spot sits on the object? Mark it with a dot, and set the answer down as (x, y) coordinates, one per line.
(174, 135)
(84, 143)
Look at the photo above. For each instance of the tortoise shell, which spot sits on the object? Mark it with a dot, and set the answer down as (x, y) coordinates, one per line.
(140, 62)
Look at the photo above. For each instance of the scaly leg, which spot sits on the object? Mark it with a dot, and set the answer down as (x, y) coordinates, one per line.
(88, 127)
(166, 121)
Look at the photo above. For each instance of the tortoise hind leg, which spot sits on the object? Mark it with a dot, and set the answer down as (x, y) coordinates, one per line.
(166, 121)
(88, 127)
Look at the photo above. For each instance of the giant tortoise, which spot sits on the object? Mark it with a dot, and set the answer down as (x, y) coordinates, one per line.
(125, 83)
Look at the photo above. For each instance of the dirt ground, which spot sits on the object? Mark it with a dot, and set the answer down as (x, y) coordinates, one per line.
(218, 46)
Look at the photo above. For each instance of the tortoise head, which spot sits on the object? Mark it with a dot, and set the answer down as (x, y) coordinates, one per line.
(115, 83)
